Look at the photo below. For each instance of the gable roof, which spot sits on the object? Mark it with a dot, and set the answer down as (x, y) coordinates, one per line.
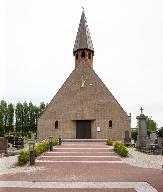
(81, 93)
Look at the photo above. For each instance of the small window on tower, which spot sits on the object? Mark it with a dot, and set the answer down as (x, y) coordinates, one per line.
(83, 54)
(89, 55)
(110, 124)
(77, 56)
(56, 124)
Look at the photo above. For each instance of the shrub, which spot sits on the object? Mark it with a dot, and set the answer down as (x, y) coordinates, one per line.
(38, 149)
(23, 156)
(55, 142)
(109, 142)
(41, 147)
(121, 149)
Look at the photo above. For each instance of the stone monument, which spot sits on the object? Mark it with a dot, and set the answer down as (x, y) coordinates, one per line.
(3, 145)
(142, 129)
(127, 139)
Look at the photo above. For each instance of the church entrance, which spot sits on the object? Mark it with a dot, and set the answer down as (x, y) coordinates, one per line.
(83, 129)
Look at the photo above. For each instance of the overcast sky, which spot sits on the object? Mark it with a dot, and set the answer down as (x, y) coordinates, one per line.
(37, 38)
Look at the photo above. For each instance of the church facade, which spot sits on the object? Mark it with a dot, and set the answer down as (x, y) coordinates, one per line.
(83, 108)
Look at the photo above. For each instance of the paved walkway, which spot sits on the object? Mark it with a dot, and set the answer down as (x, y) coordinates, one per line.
(82, 167)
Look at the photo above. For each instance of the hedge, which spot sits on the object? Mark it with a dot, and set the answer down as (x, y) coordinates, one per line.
(55, 142)
(121, 149)
(41, 147)
(109, 142)
(23, 156)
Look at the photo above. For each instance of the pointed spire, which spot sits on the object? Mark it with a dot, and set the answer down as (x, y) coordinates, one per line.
(83, 38)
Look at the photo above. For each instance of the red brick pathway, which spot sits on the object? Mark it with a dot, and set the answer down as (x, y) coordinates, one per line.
(62, 168)
(65, 190)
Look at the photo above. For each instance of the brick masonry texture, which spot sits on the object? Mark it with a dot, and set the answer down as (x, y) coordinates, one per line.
(92, 102)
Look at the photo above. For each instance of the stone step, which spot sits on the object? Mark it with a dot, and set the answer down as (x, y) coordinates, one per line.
(84, 140)
(65, 190)
(73, 161)
(63, 158)
(42, 186)
(82, 150)
(80, 154)
(81, 146)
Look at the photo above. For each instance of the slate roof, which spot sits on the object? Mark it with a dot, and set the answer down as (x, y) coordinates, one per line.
(83, 38)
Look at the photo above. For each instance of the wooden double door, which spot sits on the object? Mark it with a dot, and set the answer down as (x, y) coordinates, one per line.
(83, 129)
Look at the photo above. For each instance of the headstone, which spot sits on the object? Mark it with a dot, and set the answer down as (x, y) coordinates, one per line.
(153, 138)
(19, 142)
(160, 145)
(10, 139)
(142, 129)
(127, 139)
(160, 140)
(3, 145)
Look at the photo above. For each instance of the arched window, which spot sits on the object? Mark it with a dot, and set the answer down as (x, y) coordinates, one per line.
(89, 56)
(83, 54)
(77, 56)
(56, 124)
(110, 123)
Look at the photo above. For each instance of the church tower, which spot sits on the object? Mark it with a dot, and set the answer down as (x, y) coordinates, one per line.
(83, 47)
(83, 108)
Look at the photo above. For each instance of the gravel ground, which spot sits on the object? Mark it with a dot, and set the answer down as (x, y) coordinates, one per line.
(140, 159)
(8, 165)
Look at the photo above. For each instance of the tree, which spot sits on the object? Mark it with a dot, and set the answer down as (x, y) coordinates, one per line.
(1, 123)
(31, 117)
(4, 114)
(134, 134)
(10, 120)
(151, 125)
(19, 119)
(41, 108)
(36, 115)
(26, 126)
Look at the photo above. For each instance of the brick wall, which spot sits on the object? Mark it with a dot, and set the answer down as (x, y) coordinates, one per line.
(91, 102)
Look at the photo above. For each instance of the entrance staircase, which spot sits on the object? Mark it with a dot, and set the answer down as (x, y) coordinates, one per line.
(80, 152)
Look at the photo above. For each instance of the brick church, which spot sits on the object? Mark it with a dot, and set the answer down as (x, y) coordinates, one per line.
(83, 108)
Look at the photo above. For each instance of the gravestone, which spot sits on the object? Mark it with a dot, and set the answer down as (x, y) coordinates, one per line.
(153, 138)
(3, 145)
(10, 139)
(19, 142)
(142, 129)
(160, 139)
(160, 147)
(127, 139)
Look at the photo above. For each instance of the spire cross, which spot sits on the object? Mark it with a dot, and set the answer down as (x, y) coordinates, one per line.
(141, 109)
